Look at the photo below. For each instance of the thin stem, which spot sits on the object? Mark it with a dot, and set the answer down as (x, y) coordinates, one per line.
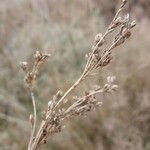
(91, 94)
(34, 122)
(38, 139)
(70, 89)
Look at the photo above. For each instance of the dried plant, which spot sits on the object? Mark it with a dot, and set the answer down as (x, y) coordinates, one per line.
(100, 56)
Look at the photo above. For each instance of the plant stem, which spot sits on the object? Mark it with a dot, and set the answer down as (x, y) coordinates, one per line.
(70, 89)
(34, 122)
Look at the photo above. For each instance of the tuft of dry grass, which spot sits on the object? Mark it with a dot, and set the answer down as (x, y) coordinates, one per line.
(59, 109)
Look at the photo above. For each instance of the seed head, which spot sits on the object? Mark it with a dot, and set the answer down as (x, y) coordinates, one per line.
(24, 65)
(31, 119)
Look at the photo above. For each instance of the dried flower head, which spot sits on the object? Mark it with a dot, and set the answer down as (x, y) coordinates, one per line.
(31, 76)
(24, 65)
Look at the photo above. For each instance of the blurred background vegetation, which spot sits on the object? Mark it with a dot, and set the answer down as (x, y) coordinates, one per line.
(66, 29)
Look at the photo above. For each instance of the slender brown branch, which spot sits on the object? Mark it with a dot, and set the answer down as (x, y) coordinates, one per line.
(34, 122)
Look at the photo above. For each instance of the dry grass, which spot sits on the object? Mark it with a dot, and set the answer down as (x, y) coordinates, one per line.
(119, 124)
(99, 57)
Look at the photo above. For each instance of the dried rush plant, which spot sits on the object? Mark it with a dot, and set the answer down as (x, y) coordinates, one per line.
(100, 56)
